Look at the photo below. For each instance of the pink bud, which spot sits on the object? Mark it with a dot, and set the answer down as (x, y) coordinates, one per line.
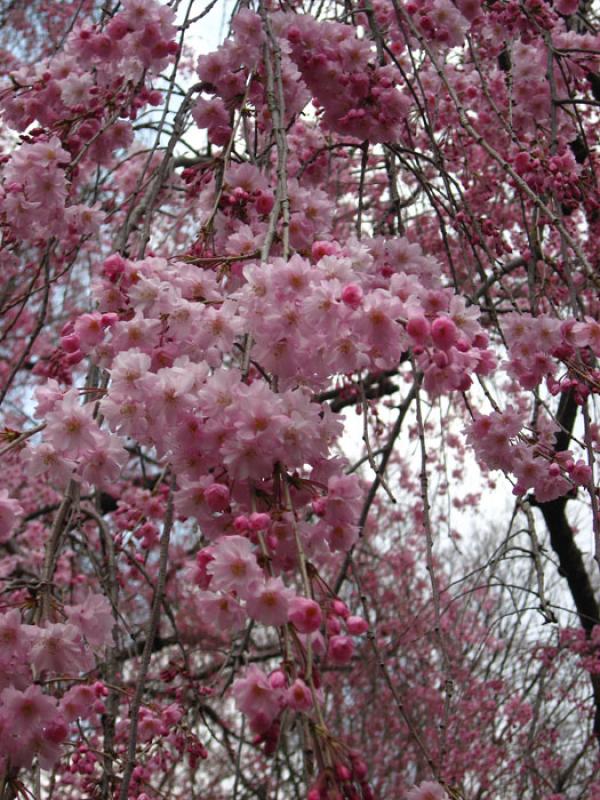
(340, 650)
(117, 28)
(264, 203)
(299, 696)
(201, 576)
(259, 522)
(444, 332)
(343, 772)
(217, 497)
(277, 679)
(56, 731)
(295, 37)
(352, 295)
(305, 614)
(320, 249)
(522, 162)
(240, 523)
(114, 266)
(109, 319)
(333, 625)
(418, 328)
(359, 768)
(440, 359)
(356, 626)
(566, 7)
(70, 344)
(319, 506)
(340, 608)
(73, 358)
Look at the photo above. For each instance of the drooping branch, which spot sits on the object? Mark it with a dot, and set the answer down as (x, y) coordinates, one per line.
(570, 558)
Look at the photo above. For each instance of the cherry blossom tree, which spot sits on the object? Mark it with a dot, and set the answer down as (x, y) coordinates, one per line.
(298, 376)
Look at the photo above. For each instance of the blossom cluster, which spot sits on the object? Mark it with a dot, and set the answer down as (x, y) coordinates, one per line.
(323, 61)
(539, 345)
(214, 356)
(99, 77)
(501, 442)
(35, 724)
(249, 445)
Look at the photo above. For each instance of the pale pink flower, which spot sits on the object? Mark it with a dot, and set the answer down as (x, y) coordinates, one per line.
(70, 426)
(220, 611)
(50, 153)
(428, 790)
(89, 329)
(47, 396)
(77, 701)
(210, 113)
(27, 710)
(94, 618)
(255, 697)
(47, 187)
(47, 743)
(75, 89)
(269, 602)
(60, 649)
(14, 645)
(234, 566)
(45, 458)
(10, 510)
(102, 465)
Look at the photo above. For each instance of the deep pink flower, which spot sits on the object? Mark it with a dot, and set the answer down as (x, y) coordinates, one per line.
(305, 614)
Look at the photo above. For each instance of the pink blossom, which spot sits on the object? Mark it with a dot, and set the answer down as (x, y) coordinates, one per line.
(10, 511)
(45, 459)
(217, 497)
(340, 650)
(234, 566)
(77, 701)
(299, 696)
(305, 614)
(219, 611)
(256, 697)
(14, 644)
(269, 603)
(94, 618)
(356, 626)
(27, 710)
(59, 649)
(70, 427)
(444, 333)
(352, 295)
(427, 790)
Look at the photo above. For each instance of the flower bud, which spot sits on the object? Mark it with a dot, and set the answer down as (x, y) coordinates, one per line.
(356, 626)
